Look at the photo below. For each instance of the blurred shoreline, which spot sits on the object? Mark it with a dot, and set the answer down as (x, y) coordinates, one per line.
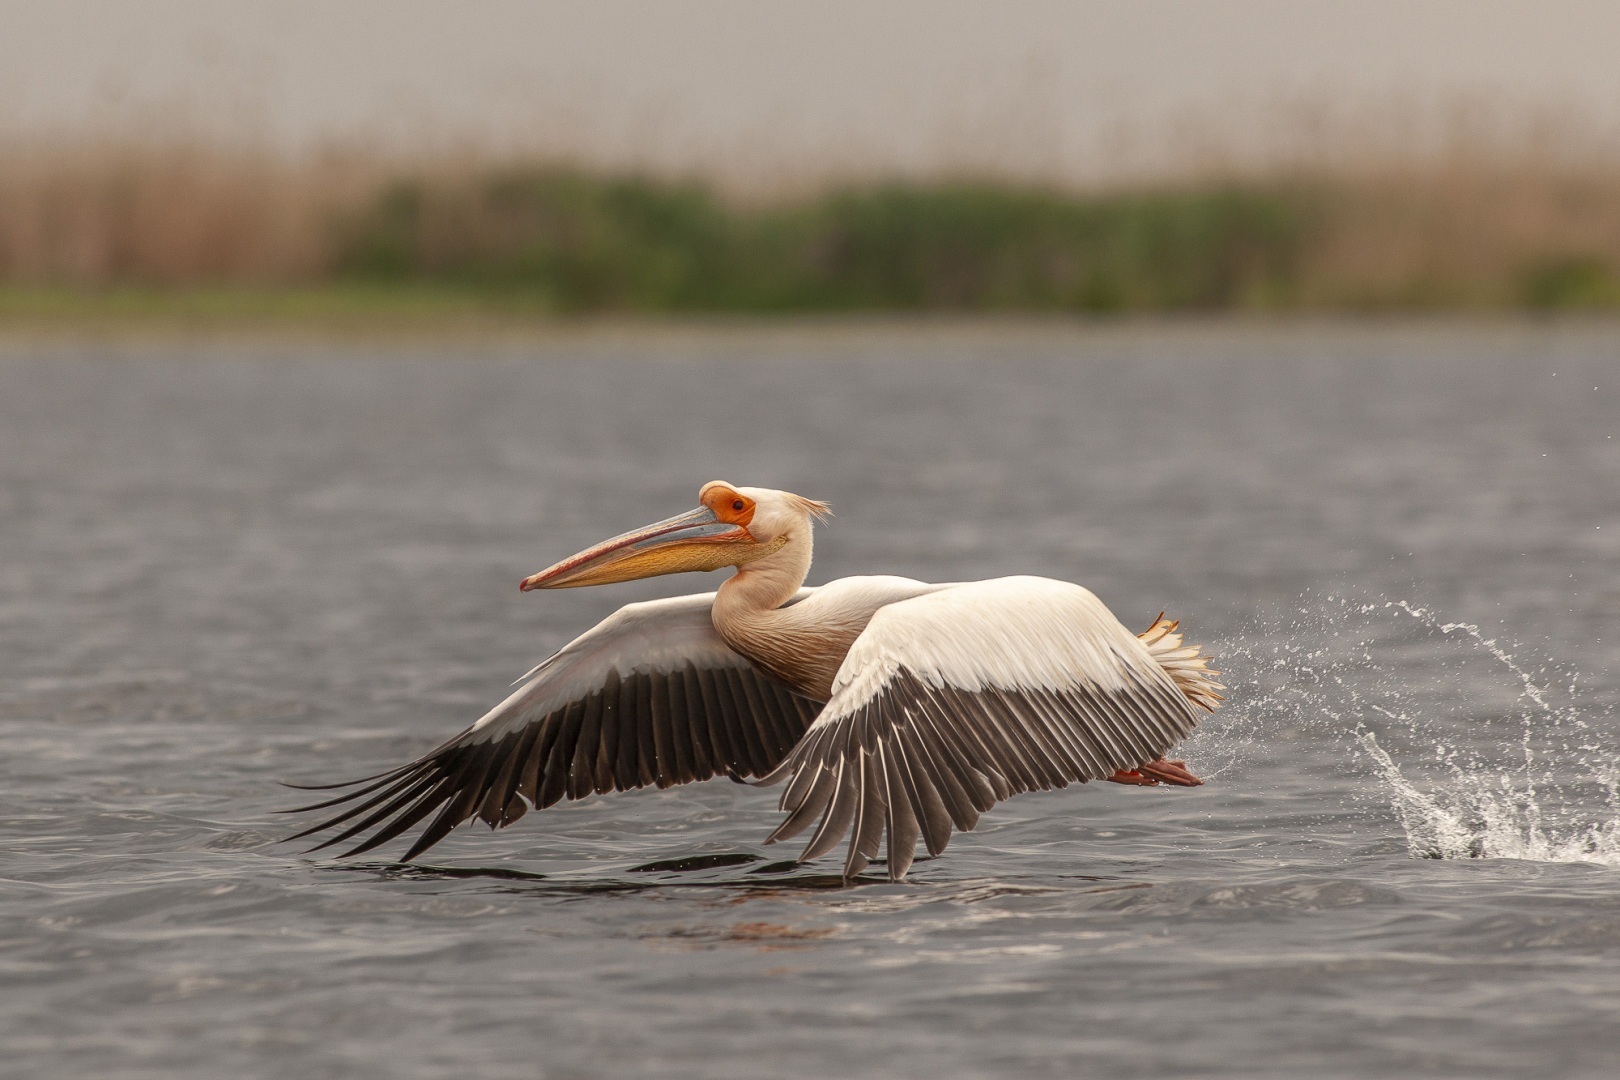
(102, 233)
(321, 320)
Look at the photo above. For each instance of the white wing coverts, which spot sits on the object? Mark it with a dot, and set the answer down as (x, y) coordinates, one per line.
(951, 702)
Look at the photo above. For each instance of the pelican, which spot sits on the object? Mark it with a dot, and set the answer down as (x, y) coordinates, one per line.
(889, 707)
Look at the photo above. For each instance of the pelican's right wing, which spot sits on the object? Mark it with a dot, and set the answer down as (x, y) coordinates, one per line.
(949, 702)
(651, 695)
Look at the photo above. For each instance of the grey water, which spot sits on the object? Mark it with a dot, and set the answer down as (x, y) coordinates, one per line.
(225, 565)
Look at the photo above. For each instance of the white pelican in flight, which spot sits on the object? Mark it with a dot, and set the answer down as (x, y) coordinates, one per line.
(889, 706)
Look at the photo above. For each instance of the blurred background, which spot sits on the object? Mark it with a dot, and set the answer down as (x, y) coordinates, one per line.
(411, 157)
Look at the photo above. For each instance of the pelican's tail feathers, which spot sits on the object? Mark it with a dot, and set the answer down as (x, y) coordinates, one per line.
(1185, 664)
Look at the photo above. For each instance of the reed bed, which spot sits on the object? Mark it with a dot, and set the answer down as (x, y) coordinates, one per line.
(106, 219)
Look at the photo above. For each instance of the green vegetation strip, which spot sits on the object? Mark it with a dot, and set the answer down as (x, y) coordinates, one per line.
(570, 243)
(543, 242)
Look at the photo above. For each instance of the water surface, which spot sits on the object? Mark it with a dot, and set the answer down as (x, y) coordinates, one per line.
(230, 565)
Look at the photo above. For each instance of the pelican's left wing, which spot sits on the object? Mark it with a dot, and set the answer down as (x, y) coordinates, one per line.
(651, 695)
(950, 702)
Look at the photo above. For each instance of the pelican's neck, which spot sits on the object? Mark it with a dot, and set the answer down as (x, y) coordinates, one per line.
(759, 588)
(780, 641)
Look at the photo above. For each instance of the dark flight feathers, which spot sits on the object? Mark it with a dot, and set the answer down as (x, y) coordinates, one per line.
(650, 728)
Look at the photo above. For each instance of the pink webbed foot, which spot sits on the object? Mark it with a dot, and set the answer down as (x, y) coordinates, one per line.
(1155, 773)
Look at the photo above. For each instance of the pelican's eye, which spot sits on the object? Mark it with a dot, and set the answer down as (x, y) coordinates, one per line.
(729, 506)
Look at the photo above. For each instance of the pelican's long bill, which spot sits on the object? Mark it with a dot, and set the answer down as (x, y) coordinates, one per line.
(696, 540)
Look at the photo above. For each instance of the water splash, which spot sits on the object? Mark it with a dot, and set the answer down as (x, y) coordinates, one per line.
(1533, 812)
(1480, 816)
(1535, 693)
(1477, 755)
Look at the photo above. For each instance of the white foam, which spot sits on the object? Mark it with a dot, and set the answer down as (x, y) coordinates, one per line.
(1480, 815)
(1534, 780)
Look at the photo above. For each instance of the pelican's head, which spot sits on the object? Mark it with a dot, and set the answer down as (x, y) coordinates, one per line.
(734, 526)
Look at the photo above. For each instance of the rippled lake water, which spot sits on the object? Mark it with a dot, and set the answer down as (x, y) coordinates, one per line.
(225, 566)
